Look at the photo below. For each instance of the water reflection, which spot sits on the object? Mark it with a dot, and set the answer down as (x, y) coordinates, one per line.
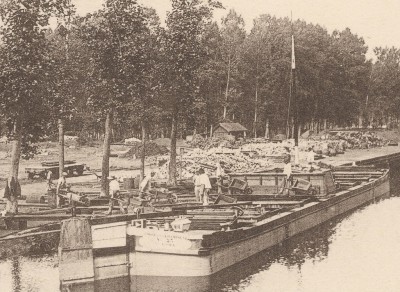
(15, 273)
(290, 256)
(29, 274)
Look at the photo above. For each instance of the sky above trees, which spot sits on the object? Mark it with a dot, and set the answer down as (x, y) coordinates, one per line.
(375, 21)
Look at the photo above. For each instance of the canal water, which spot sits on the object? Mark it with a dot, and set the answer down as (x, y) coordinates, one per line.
(359, 251)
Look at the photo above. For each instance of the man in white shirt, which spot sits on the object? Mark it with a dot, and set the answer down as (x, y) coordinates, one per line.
(287, 170)
(61, 187)
(49, 178)
(205, 185)
(198, 189)
(114, 192)
(145, 185)
(61, 183)
(310, 156)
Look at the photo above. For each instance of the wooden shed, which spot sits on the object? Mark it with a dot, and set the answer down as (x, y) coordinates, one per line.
(234, 129)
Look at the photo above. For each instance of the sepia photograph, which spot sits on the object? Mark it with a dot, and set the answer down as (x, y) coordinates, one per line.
(199, 145)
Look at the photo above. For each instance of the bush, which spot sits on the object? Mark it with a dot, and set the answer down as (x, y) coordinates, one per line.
(71, 133)
(85, 140)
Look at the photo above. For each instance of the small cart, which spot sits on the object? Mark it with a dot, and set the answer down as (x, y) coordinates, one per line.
(303, 188)
(237, 186)
(70, 167)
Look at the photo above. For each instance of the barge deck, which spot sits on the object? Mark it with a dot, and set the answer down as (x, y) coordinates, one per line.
(152, 249)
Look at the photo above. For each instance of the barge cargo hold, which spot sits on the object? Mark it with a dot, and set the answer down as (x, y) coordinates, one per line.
(139, 250)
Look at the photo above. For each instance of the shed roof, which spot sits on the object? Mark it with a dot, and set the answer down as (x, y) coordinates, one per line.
(233, 127)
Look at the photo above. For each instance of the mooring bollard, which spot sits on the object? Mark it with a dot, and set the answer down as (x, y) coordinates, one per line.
(76, 251)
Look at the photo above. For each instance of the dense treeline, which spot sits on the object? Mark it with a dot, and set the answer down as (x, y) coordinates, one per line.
(120, 72)
(236, 75)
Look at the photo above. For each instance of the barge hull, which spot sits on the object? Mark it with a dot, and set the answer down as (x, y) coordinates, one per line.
(265, 235)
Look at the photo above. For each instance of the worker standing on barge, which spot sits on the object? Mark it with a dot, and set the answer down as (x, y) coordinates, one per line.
(198, 188)
(114, 192)
(310, 155)
(287, 170)
(145, 185)
(61, 187)
(203, 181)
(49, 178)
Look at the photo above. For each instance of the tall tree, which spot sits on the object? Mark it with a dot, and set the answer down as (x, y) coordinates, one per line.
(254, 61)
(142, 74)
(119, 39)
(64, 77)
(211, 77)
(352, 76)
(23, 69)
(233, 35)
(182, 56)
(382, 104)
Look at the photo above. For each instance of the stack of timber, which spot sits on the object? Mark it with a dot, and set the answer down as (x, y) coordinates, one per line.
(210, 219)
(348, 179)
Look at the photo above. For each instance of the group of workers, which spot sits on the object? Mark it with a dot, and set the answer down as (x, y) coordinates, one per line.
(116, 196)
(202, 184)
(61, 188)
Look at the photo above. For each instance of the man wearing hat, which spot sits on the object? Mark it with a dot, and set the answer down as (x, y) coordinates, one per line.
(145, 185)
(61, 187)
(114, 192)
(49, 178)
(198, 188)
(287, 170)
(203, 181)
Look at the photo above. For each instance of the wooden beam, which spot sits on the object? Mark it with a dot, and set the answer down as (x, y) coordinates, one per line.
(129, 217)
(47, 217)
(211, 206)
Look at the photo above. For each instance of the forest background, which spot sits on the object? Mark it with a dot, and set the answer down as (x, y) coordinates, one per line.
(117, 73)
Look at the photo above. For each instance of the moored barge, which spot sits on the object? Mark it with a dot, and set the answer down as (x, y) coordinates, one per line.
(219, 236)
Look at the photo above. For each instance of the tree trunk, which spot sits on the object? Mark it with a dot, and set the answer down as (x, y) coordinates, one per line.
(12, 200)
(172, 160)
(105, 165)
(299, 130)
(255, 109)
(292, 132)
(142, 159)
(267, 129)
(227, 87)
(60, 146)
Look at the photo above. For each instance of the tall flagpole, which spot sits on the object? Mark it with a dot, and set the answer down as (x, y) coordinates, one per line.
(295, 105)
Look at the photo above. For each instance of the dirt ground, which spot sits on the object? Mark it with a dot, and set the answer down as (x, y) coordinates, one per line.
(91, 156)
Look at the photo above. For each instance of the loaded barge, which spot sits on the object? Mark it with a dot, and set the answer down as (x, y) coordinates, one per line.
(197, 242)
